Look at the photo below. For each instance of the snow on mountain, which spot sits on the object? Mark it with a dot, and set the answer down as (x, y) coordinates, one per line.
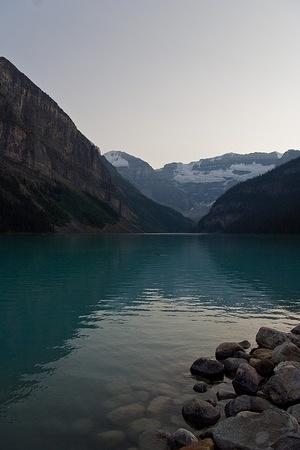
(115, 158)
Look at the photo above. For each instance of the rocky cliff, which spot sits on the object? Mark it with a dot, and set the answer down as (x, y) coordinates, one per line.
(53, 177)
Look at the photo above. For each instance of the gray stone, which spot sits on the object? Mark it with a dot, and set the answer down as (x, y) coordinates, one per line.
(242, 354)
(208, 368)
(296, 329)
(227, 350)
(253, 431)
(290, 441)
(264, 367)
(246, 380)
(199, 413)
(245, 344)
(286, 352)
(283, 388)
(200, 387)
(286, 364)
(231, 365)
(270, 338)
(225, 394)
(181, 438)
(295, 411)
(247, 403)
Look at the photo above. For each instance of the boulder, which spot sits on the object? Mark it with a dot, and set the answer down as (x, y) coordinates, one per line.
(290, 441)
(296, 329)
(207, 368)
(264, 367)
(199, 413)
(286, 364)
(246, 380)
(181, 438)
(245, 344)
(200, 387)
(231, 365)
(283, 388)
(225, 394)
(294, 338)
(253, 431)
(270, 338)
(286, 352)
(261, 353)
(242, 354)
(227, 350)
(295, 411)
(247, 403)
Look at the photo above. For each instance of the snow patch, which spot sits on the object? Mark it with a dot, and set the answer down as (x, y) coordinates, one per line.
(116, 159)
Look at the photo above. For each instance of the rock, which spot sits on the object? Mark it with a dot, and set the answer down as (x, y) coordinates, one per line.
(245, 344)
(111, 439)
(270, 338)
(283, 388)
(181, 438)
(246, 380)
(203, 444)
(286, 352)
(224, 394)
(158, 404)
(261, 353)
(231, 365)
(247, 403)
(286, 364)
(294, 338)
(295, 411)
(200, 387)
(152, 439)
(242, 354)
(296, 329)
(125, 414)
(208, 368)
(138, 426)
(289, 441)
(253, 431)
(264, 367)
(199, 413)
(227, 350)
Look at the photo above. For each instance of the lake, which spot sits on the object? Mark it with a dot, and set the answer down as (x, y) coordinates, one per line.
(89, 324)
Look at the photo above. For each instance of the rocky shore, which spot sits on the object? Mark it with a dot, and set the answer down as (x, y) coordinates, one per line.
(245, 399)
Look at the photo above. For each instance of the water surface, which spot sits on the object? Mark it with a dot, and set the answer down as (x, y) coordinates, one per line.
(92, 323)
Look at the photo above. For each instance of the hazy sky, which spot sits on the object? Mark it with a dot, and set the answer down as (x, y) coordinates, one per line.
(166, 80)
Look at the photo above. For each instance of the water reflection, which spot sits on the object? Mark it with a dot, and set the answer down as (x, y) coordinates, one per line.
(156, 293)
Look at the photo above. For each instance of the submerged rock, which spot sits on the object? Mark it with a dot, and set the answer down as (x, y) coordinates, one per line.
(247, 403)
(286, 352)
(270, 338)
(203, 444)
(199, 413)
(138, 426)
(125, 414)
(253, 431)
(246, 380)
(152, 439)
(208, 368)
(227, 350)
(159, 404)
(200, 387)
(283, 388)
(112, 439)
(181, 438)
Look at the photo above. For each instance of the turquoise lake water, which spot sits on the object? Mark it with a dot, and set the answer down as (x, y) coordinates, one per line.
(89, 324)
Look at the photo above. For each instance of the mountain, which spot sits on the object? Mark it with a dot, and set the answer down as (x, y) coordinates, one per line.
(52, 178)
(192, 188)
(269, 203)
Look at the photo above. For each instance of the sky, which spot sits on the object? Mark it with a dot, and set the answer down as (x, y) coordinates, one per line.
(165, 80)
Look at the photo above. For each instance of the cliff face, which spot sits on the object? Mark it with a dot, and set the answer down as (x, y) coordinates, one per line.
(269, 203)
(53, 178)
